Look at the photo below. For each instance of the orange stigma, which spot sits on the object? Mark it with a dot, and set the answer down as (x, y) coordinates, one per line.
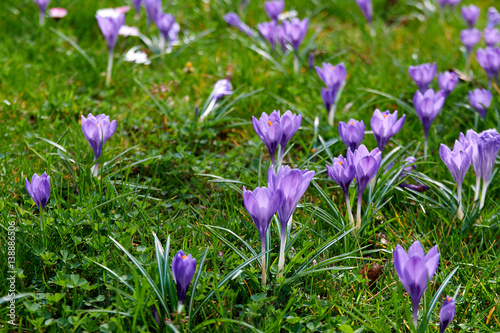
(340, 162)
(385, 116)
(269, 122)
(184, 257)
(351, 123)
(333, 67)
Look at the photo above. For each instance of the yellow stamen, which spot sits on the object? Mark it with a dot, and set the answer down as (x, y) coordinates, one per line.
(184, 257)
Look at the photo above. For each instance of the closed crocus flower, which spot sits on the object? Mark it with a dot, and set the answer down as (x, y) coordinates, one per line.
(366, 8)
(423, 75)
(427, 106)
(153, 8)
(110, 21)
(268, 31)
(234, 20)
(183, 268)
(470, 38)
(262, 204)
(274, 8)
(281, 37)
(39, 191)
(164, 23)
(269, 130)
(295, 31)
(333, 76)
(342, 172)
(328, 96)
(290, 123)
(489, 59)
(491, 36)
(414, 269)
(447, 82)
(385, 125)
(137, 5)
(480, 99)
(97, 131)
(293, 183)
(470, 14)
(489, 145)
(493, 17)
(447, 313)
(352, 133)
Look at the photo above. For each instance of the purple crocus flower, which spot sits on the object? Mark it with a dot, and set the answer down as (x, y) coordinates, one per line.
(414, 269)
(42, 6)
(221, 88)
(164, 23)
(234, 20)
(423, 75)
(274, 8)
(480, 99)
(385, 125)
(39, 191)
(328, 96)
(493, 17)
(290, 123)
(367, 9)
(183, 268)
(352, 133)
(262, 204)
(295, 31)
(110, 21)
(491, 36)
(281, 37)
(489, 59)
(153, 8)
(472, 138)
(453, 3)
(470, 38)
(333, 76)
(367, 165)
(97, 131)
(470, 14)
(447, 82)
(310, 60)
(447, 313)
(173, 33)
(342, 172)
(427, 106)
(268, 31)
(137, 5)
(488, 146)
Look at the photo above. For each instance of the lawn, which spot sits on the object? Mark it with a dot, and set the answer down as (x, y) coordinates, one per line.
(170, 179)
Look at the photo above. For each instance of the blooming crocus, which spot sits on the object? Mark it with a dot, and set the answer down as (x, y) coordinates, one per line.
(110, 21)
(97, 131)
(414, 269)
(268, 31)
(281, 37)
(489, 145)
(458, 162)
(447, 82)
(57, 13)
(493, 17)
(352, 133)
(447, 313)
(342, 172)
(480, 99)
(164, 23)
(385, 125)
(333, 77)
(274, 8)
(489, 59)
(262, 204)
(470, 14)
(470, 38)
(366, 8)
(183, 268)
(234, 20)
(269, 130)
(153, 8)
(491, 36)
(367, 165)
(293, 183)
(427, 106)
(221, 88)
(472, 138)
(39, 191)
(295, 31)
(42, 5)
(423, 75)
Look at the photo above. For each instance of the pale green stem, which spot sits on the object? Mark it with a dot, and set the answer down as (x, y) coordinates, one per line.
(415, 315)
(460, 213)
(296, 64)
(42, 18)
(426, 146)
(110, 68)
(349, 211)
(331, 114)
(208, 110)
(40, 210)
(281, 262)
(358, 215)
(478, 188)
(483, 194)
(137, 16)
(180, 307)
(263, 249)
(162, 44)
(373, 33)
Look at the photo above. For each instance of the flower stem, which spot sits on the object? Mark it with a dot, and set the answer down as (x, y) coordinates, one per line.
(281, 262)
(415, 315)
(110, 68)
(358, 215)
(263, 249)
(478, 188)
(349, 211)
(162, 44)
(40, 210)
(460, 213)
(483, 194)
(180, 307)
(94, 170)
(426, 146)
(331, 114)
(42, 18)
(208, 109)
(296, 64)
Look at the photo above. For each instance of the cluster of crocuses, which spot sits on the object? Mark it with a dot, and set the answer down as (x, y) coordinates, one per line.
(415, 270)
(361, 164)
(290, 32)
(284, 187)
(334, 79)
(479, 149)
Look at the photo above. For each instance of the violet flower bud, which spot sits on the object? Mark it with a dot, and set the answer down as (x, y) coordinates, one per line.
(110, 21)
(39, 189)
(97, 131)
(493, 17)
(446, 314)
(491, 36)
(352, 133)
(489, 145)
(183, 268)
(328, 96)
(281, 37)
(470, 14)
(269, 130)
(164, 23)
(480, 99)
(470, 38)
(414, 269)
(295, 31)
(290, 123)
(423, 75)
(457, 160)
(473, 139)
(310, 60)
(333, 76)
(222, 88)
(137, 5)
(153, 8)
(268, 31)
(385, 125)
(489, 59)
(366, 8)
(367, 165)
(274, 8)
(427, 106)
(447, 82)
(342, 172)
(42, 5)
(234, 20)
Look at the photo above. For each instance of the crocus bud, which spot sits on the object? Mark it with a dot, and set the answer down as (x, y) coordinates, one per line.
(470, 14)
(137, 5)
(183, 268)
(57, 13)
(110, 21)
(385, 125)
(153, 8)
(446, 314)
(427, 106)
(367, 165)
(491, 36)
(447, 82)
(42, 5)
(457, 160)
(295, 31)
(366, 8)
(423, 75)
(274, 8)
(352, 133)
(470, 38)
(489, 145)
(164, 23)
(493, 17)
(328, 96)
(39, 189)
(480, 99)
(97, 131)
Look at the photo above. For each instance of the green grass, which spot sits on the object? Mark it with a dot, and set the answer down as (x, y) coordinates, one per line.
(163, 167)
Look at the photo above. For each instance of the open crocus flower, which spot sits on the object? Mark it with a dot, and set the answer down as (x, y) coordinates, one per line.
(414, 269)
(352, 133)
(493, 17)
(366, 8)
(423, 75)
(447, 313)
(293, 183)
(480, 99)
(274, 8)
(97, 131)
(470, 14)
(110, 21)
(57, 13)
(183, 268)
(447, 82)
(42, 6)
(153, 9)
(367, 165)
(39, 191)
(427, 106)
(268, 31)
(489, 59)
(234, 20)
(385, 125)
(470, 38)
(342, 172)
(491, 36)
(262, 203)
(458, 162)
(489, 145)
